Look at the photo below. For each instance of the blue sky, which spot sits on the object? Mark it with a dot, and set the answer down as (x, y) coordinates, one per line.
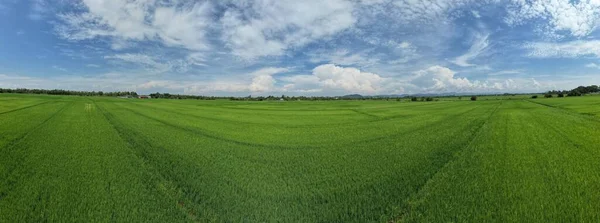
(309, 47)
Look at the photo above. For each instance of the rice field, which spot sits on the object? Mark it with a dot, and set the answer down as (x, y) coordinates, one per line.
(99, 159)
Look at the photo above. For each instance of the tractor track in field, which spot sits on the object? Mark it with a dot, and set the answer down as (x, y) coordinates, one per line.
(365, 113)
(560, 133)
(237, 122)
(17, 141)
(569, 111)
(210, 136)
(139, 148)
(371, 140)
(23, 108)
(404, 212)
(356, 110)
(185, 199)
(287, 126)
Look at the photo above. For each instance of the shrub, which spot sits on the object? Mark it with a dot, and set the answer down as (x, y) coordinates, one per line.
(413, 99)
(474, 98)
(534, 97)
(548, 95)
(429, 99)
(561, 95)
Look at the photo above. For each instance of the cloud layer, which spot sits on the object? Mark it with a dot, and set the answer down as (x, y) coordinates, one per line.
(312, 47)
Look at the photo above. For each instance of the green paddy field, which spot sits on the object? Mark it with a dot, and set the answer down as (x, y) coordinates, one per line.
(99, 159)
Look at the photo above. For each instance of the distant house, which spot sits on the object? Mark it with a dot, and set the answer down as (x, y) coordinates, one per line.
(144, 97)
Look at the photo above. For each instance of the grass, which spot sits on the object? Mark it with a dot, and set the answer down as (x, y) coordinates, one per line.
(129, 160)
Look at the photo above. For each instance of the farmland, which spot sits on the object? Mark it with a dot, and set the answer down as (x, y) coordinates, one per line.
(128, 160)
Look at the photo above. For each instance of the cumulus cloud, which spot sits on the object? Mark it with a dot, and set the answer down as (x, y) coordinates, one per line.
(330, 79)
(263, 80)
(440, 79)
(570, 49)
(269, 27)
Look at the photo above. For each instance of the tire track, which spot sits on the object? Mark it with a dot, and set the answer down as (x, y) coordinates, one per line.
(569, 111)
(210, 136)
(181, 194)
(406, 204)
(22, 108)
(427, 126)
(18, 161)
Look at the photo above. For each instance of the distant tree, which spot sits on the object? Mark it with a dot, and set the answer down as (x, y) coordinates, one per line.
(574, 93)
(534, 97)
(474, 98)
(561, 95)
(459, 98)
(429, 99)
(414, 99)
(548, 95)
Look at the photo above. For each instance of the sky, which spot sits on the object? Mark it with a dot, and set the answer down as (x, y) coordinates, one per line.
(292, 47)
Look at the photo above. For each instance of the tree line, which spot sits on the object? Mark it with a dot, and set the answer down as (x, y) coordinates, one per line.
(67, 92)
(182, 96)
(578, 91)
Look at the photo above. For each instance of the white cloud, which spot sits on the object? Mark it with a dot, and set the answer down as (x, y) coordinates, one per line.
(269, 27)
(478, 46)
(592, 65)
(56, 67)
(160, 65)
(263, 80)
(332, 78)
(403, 52)
(565, 49)
(505, 72)
(440, 79)
(141, 59)
(39, 9)
(579, 18)
(180, 25)
(344, 57)
(437, 79)
(404, 45)
(430, 11)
